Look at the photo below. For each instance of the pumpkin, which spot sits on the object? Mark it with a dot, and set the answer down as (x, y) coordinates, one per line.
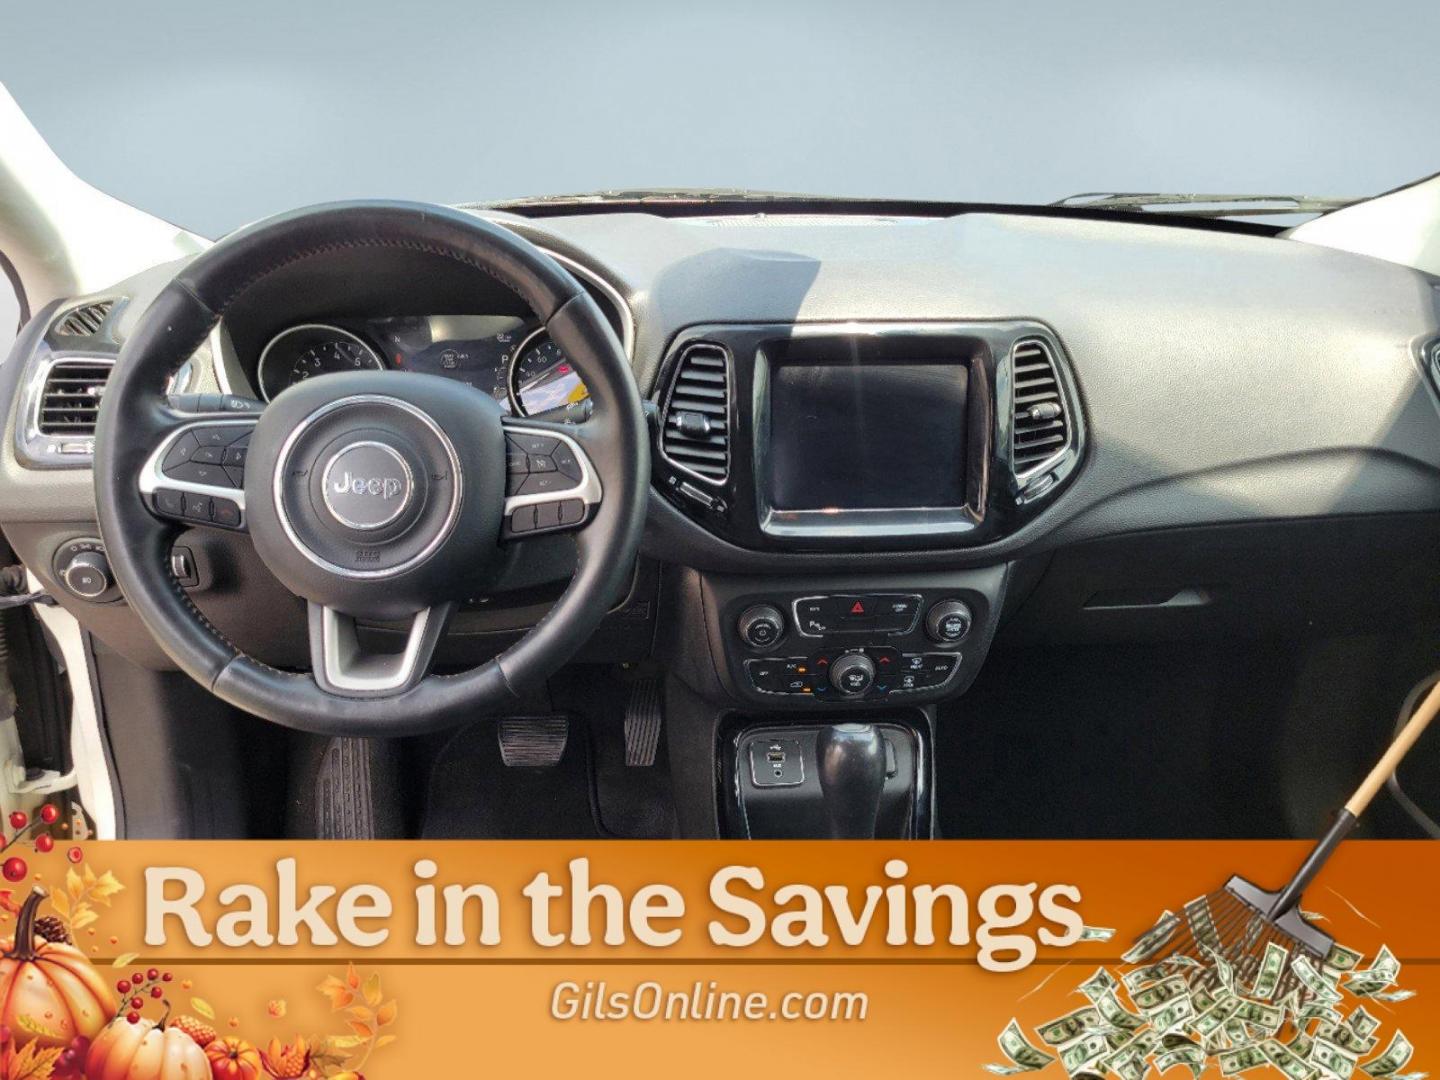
(145, 1051)
(51, 985)
(233, 1059)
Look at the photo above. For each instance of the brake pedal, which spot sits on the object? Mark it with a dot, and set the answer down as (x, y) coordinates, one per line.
(344, 797)
(643, 719)
(533, 741)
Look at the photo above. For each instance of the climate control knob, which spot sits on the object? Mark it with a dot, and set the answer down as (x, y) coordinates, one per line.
(852, 673)
(761, 626)
(87, 575)
(948, 622)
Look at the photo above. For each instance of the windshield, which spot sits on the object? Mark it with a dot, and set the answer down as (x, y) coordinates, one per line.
(211, 115)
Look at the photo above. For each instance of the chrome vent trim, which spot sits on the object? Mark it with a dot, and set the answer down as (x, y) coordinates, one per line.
(85, 320)
(695, 420)
(1041, 429)
(69, 400)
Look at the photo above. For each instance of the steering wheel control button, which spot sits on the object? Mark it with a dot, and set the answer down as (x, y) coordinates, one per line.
(948, 622)
(572, 511)
(852, 674)
(539, 463)
(225, 512)
(761, 626)
(180, 452)
(534, 445)
(197, 507)
(367, 485)
(169, 502)
(564, 459)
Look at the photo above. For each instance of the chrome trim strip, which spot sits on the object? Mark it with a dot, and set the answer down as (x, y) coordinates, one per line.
(456, 496)
(297, 328)
(587, 490)
(348, 667)
(627, 317)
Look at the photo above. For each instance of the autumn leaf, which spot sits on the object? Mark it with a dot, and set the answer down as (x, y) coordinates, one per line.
(105, 888)
(383, 1041)
(386, 1014)
(83, 917)
(73, 884)
(61, 903)
(360, 1012)
(365, 1031)
(33, 1063)
(372, 990)
(344, 1042)
(339, 994)
(352, 977)
(124, 959)
(203, 1007)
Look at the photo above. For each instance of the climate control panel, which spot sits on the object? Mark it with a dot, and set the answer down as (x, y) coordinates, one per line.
(910, 639)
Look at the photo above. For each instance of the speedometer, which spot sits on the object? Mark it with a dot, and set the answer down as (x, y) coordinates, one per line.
(302, 352)
(542, 377)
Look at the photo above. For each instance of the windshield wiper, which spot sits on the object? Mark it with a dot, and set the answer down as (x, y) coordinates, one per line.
(668, 196)
(1204, 205)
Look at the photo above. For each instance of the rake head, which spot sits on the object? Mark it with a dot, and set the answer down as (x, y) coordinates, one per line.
(1236, 925)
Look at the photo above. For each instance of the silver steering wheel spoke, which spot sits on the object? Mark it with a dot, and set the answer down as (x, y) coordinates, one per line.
(196, 474)
(345, 668)
(551, 485)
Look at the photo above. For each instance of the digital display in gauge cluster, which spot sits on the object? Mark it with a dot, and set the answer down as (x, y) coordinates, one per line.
(507, 357)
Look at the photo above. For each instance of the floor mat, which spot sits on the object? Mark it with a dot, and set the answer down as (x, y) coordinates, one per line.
(474, 795)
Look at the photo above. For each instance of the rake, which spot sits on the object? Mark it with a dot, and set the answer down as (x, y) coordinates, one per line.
(1239, 921)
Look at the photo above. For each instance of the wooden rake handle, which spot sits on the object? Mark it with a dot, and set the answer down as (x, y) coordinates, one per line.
(1386, 766)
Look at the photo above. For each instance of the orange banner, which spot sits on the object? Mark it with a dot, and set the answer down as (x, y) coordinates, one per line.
(417, 958)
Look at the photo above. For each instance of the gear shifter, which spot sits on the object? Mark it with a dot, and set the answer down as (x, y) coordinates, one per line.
(850, 762)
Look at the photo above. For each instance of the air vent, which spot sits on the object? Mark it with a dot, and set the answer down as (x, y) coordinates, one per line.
(695, 429)
(70, 399)
(1041, 428)
(84, 321)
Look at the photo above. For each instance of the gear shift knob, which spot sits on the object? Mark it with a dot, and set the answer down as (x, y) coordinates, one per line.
(850, 762)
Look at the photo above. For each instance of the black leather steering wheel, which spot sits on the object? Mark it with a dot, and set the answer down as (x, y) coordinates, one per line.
(372, 495)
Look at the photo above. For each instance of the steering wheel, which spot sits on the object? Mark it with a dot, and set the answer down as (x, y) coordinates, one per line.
(372, 495)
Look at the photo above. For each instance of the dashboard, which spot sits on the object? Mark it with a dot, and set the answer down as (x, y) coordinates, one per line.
(507, 356)
(871, 434)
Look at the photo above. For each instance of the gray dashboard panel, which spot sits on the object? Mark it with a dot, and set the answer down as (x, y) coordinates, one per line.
(1225, 377)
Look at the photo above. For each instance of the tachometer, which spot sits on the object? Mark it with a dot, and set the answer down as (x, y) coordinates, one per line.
(302, 352)
(542, 377)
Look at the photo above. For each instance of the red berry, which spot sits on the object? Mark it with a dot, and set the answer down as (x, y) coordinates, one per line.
(138, 978)
(166, 977)
(137, 1003)
(75, 855)
(133, 1017)
(152, 974)
(123, 986)
(157, 993)
(15, 868)
(19, 819)
(49, 813)
(44, 843)
(4, 1034)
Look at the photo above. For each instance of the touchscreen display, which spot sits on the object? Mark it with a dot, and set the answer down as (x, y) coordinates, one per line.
(867, 436)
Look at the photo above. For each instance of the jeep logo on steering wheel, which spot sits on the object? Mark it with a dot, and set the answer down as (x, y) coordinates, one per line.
(367, 485)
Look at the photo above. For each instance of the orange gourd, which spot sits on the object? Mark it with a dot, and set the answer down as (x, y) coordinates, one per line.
(145, 1051)
(51, 984)
(234, 1059)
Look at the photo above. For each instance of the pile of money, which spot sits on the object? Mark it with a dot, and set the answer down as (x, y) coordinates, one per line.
(1198, 1012)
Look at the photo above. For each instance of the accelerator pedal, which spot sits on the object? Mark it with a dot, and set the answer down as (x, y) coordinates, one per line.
(643, 720)
(533, 741)
(344, 792)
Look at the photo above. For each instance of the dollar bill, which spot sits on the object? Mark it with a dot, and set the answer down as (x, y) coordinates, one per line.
(1116, 1015)
(1342, 959)
(1213, 1019)
(1242, 1059)
(1332, 1059)
(1391, 996)
(1083, 1052)
(1361, 1022)
(1023, 1057)
(1381, 973)
(1173, 1015)
(1191, 1056)
(1287, 1061)
(1272, 966)
(1064, 1029)
(1149, 973)
(1223, 971)
(1153, 940)
(1097, 933)
(1396, 1056)
(1162, 993)
(1346, 1038)
(1267, 1017)
(1314, 982)
(1097, 985)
